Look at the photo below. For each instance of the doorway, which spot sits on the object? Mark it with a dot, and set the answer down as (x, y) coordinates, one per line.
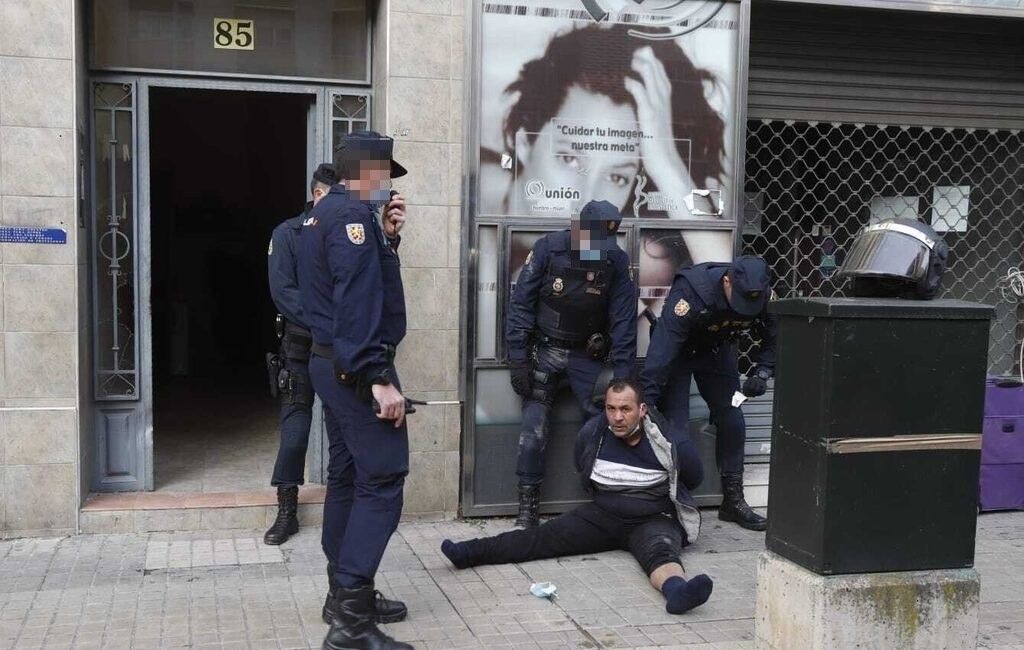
(226, 166)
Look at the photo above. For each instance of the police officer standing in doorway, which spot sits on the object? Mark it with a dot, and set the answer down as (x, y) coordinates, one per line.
(351, 287)
(289, 370)
(573, 308)
(708, 306)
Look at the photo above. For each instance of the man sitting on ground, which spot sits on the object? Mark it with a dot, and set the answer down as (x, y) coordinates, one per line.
(640, 473)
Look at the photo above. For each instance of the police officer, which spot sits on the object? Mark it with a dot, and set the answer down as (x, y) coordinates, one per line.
(351, 290)
(290, 372)
(706, 309)
(573, 308)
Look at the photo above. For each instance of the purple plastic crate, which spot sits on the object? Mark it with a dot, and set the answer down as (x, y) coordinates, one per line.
(1002, 448)
(1002, 441)
(1002, 487)
(1003, 401)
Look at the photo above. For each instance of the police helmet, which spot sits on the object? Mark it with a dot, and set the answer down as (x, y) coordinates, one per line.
(896, 258)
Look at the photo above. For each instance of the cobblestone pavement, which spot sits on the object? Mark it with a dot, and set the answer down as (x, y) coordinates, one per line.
(214, 589)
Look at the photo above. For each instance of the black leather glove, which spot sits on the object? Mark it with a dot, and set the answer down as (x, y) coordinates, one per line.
(522, 378)
(757, 383)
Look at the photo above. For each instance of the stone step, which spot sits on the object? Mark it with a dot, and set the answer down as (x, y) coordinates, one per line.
(148, 512)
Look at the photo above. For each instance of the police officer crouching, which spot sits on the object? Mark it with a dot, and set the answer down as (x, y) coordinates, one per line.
(708, 306)
(573, 307)
(351, 289)
(289, 372)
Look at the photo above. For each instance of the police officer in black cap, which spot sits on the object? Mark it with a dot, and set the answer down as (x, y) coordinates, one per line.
(289, 369)
(708, 306)
(573, 309)
(351, 288)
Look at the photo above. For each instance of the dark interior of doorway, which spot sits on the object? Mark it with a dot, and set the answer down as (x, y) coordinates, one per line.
(226, 168)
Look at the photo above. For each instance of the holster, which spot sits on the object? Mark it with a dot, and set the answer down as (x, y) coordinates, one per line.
(543, 388)
(597, 346)
(295, 387)
(274, 368)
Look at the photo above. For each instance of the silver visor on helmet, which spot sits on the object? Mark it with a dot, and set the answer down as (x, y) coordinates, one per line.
(891, 250)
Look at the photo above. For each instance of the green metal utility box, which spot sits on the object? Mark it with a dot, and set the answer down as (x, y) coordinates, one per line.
(877, 433)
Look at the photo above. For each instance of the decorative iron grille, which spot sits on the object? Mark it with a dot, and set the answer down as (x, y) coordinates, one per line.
(810, 186)
(348, 113)
(114, 237)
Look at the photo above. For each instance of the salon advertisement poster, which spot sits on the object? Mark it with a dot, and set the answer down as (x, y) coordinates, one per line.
(629, 101)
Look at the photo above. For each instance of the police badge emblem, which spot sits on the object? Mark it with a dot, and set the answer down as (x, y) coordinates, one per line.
(356, 233)
(558, 285)
(682, 308)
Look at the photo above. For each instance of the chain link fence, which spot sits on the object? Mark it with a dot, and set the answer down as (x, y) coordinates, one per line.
(810, 186)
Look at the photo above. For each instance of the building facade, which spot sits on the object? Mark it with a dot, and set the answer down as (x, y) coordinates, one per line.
(147, 150)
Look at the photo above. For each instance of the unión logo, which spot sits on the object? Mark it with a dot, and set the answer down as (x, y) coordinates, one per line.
(537, 190)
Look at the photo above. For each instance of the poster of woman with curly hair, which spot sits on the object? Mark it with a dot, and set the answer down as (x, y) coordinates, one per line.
(635, 108)
(626, 101)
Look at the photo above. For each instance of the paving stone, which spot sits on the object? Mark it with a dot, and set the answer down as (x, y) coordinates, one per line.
(225, 589)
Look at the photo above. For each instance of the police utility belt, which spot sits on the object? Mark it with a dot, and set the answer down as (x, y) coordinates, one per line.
(596, 345)
(292, 386)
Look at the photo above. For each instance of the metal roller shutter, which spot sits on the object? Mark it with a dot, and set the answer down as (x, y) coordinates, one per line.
(842, 64)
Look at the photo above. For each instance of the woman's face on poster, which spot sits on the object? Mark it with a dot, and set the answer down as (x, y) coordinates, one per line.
(552, 158)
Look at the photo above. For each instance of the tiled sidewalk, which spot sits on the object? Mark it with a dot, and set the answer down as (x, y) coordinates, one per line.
(183, 591)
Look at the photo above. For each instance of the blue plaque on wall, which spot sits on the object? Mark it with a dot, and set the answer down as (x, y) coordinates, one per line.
(26, 235)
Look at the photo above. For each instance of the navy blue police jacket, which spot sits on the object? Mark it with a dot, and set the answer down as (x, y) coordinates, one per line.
(696, 318)
(554, 251)
(674, 450)
(283, 268)
(351, 284)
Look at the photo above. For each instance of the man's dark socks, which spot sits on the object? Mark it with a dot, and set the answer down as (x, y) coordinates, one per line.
(682, 595)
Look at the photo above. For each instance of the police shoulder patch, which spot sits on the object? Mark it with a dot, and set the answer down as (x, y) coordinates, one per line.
(681, 309)
(356, 233)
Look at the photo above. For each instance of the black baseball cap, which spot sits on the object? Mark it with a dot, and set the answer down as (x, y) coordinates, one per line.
(751, 285)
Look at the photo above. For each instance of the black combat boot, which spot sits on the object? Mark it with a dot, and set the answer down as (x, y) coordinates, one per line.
(287, 523)
(734, 507)
(529, 500)
(386, 610)
(354, 628)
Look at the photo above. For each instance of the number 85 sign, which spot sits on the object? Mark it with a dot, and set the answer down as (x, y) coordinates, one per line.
(233, 34)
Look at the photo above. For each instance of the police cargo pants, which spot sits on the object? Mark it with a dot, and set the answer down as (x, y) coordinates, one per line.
(718, 378)
(554, 364)
(369, 459)
(296, 417)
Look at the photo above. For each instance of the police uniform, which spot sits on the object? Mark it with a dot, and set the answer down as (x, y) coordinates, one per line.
(292, 381)
(289, 370)
(695, 337)
(566, 318)
(352, 295)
